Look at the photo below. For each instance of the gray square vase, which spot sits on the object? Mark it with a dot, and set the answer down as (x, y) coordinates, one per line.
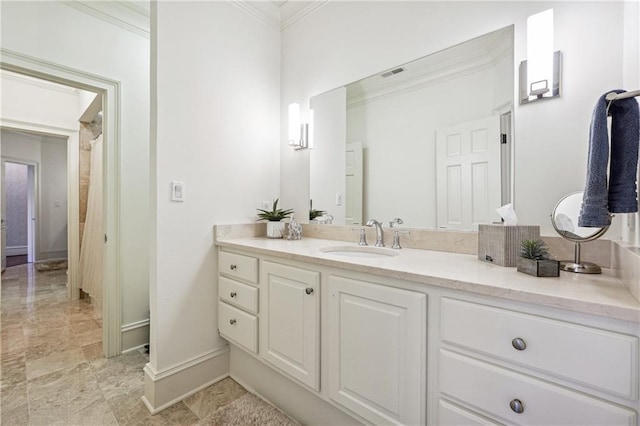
(538, 268)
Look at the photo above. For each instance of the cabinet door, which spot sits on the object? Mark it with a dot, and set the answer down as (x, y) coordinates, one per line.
(290, 321)
(377, 350)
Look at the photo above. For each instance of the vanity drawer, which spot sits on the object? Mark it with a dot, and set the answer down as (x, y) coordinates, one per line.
(562, 349)
(238, 326)
(495, 390)
(238, 266)
(450, 414)
(238, 294)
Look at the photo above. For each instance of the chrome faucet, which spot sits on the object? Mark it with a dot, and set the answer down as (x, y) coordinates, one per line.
(379, 236)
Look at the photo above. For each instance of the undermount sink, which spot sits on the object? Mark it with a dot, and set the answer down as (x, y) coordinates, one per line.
(360, 251)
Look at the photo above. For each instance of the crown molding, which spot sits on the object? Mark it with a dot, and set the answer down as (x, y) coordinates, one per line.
(449, 64)
(128, 15)
(310, 8)
(276, 20)
(260, 15)
(444, 73)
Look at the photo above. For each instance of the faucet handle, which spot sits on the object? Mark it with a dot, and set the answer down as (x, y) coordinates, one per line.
(363, 236)
(396, 238)
(395, 221)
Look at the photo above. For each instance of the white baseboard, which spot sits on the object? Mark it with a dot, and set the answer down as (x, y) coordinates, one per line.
(17, 250)
(134, 335)
(164, 388)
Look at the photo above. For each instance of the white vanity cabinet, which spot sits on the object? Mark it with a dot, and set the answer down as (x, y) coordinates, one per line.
(377, 350)
(290, 321)
(325, 338)
(520, 368)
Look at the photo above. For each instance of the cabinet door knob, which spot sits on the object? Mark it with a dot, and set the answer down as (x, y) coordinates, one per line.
(308, 290)
(233, 294)
(519, 344)
(232, 321)
(233, 267)
(516, 406)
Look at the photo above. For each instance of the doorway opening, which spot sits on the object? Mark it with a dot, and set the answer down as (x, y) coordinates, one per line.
(19, 178)
(50, 73)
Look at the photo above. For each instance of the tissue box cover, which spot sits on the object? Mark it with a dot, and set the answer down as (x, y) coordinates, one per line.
(500, 244)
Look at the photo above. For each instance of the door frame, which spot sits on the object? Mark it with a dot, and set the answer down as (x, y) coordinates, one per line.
(32, 201)
(111, 95)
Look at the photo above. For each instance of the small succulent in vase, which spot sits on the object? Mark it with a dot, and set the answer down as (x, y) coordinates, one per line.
(534, 259)
(274, 217)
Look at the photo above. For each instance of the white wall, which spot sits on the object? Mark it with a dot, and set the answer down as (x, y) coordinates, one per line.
(50, 156)
(53, 197)
(551, 138)
(58, 33)
(327, 162)
(215, 121)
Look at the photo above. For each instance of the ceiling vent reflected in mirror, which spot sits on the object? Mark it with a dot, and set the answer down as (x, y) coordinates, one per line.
(392, 72)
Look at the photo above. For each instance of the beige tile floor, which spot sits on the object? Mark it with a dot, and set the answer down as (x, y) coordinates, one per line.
(53, 373)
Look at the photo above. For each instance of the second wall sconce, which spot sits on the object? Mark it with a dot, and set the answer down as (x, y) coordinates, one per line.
(300, 134)
(540, 73)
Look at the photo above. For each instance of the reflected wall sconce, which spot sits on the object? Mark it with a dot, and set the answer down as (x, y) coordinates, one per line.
(300, 134)
(540, 73)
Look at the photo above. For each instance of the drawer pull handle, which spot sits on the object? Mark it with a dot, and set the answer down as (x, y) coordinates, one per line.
(516, 406)
(232, 321)
(233, 294)
(519, 344)
(233, 267)
(308, 290)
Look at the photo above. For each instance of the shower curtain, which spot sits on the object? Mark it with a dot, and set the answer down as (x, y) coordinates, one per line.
(90, 271)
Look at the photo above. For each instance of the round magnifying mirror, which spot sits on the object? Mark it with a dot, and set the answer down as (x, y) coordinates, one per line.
(565, 221)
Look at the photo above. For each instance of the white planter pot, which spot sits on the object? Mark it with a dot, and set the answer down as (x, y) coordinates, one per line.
(275, 229)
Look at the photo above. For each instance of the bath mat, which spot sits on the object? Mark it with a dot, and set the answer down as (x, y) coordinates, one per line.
(249, 410)
(51, 266)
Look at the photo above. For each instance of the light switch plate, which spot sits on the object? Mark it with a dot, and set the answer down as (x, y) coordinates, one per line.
(177, 191)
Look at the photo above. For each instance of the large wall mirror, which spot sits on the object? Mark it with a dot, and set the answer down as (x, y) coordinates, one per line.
(428, 141)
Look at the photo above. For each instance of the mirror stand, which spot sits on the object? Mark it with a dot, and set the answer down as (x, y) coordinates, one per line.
(564, 219)
(577, 266)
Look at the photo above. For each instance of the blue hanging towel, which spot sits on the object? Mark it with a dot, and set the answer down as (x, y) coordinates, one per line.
(621, 194)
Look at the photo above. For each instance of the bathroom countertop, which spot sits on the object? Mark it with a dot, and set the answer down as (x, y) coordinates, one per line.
(599, 294)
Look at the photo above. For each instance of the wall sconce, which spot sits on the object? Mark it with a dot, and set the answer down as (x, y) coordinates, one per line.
(300, 134)
(540, 74)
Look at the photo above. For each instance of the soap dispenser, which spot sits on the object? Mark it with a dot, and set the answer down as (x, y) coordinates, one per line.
(295, 230)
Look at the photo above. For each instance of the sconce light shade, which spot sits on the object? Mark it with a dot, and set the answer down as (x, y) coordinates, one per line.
(294, 124)
(298, 132)
(310, 137)
(540, 73)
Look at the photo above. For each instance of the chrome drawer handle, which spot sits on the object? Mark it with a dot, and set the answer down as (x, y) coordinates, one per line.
(232, 321)
(233, 294)
(233, 267)
(308, 290)
(516, 406)
(519, 344)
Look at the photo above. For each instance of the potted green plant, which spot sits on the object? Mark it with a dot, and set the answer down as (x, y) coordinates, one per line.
(314, 213)
(274, 217)
(534, 259)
